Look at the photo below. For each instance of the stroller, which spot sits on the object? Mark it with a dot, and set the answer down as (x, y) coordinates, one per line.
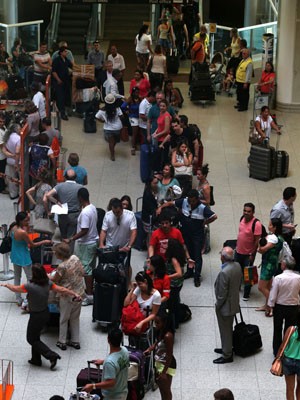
(217, 70)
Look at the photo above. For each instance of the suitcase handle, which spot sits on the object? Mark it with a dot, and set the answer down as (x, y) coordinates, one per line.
(241, 316)
(89, 370)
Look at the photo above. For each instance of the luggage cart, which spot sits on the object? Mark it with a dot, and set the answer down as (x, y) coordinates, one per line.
(259, 100)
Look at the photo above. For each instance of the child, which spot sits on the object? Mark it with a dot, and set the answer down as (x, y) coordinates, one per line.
(165, 362)
(229, 80)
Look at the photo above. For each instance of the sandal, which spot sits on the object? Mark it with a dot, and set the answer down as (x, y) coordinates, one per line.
(269, 313)
(61, 345)
(75, 345)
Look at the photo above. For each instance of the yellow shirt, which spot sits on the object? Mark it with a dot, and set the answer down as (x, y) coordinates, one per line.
(242, 70)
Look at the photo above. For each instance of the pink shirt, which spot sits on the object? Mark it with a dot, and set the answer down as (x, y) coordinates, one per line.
(246, 238)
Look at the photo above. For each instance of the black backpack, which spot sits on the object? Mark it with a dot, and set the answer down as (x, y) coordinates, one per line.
(185, 313)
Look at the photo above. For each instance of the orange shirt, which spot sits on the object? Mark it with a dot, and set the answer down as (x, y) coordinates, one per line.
(198, 53)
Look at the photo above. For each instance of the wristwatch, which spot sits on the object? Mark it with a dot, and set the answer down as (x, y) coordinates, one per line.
(94, 386)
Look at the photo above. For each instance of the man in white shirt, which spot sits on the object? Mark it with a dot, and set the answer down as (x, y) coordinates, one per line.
(111, 84)
(144, 108)
(119, 228)
(86, 239)
(118, 63)
(284, 299)
(38, 99)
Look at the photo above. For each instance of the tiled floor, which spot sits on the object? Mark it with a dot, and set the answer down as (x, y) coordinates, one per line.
(225, 138)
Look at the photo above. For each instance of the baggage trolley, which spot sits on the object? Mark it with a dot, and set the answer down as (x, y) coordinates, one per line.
(259, 100)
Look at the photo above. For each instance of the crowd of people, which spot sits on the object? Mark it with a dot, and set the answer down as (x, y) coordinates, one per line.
(176, 213)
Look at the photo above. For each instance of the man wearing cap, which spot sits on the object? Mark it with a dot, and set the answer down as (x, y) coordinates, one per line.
(96, 57)
(194, 216)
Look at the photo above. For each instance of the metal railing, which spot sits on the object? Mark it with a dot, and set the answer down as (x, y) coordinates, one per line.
(29, 32)
(52, 28)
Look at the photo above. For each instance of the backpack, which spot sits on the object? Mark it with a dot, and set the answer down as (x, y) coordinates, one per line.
(264, 232)
(185, 313)
(131, 316)
(285, 252)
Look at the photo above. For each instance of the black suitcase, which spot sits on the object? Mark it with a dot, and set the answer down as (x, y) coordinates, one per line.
(89, 375)
(262, 163)
(230, 243)
(141, 237)
(89, 122)
(108, 302)
(282, 161)
(202, 92)
(173, 62)
(246, 338)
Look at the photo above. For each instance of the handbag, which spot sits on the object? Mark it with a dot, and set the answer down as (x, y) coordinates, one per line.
(5, 246)
(44, 225)
(276, 368)
(254, 136)
(124, 134)
(250, 275)
(184, 170)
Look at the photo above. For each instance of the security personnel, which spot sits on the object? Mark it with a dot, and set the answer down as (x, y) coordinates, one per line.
(243, 78)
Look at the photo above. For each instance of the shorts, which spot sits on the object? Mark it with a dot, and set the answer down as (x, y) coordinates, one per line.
(87, 255)
(267, 272)
(134, 121)
(290, 366)
(165, 43)
(114, 134)
(160, 366)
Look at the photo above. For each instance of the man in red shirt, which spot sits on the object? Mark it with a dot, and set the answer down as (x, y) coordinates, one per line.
(159, 238)
(250, 230)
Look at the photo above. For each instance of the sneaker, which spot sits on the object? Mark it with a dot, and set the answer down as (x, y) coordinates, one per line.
(87, 301)
(246, 298)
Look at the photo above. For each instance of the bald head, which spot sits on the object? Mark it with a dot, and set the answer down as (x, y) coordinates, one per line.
(227, 254)
(70, 175)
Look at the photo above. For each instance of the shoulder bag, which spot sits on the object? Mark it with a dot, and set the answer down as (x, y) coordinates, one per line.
(276, 368)
(5, 246)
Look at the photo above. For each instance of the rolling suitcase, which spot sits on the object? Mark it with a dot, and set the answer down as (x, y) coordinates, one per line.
(262, 162)
(173, 62)
(282, 161)
(89, 375)
(246, 338)
(89, 122)
(140, 241)
(108, 301)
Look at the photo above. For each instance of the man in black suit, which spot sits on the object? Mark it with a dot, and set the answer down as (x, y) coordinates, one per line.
(227, 288)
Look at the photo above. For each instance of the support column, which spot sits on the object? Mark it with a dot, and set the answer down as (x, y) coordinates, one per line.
(250, 12)
(288, 57)
(10, 11)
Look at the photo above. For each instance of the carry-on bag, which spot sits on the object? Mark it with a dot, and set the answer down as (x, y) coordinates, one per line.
(246, 338)
(108, 301)
(282, 160)
(141, 237)
(262, 162)
(89, 375)
(172, 61)
(89, 122)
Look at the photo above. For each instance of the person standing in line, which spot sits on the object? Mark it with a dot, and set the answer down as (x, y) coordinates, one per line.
(42, 64)
(250, 230)
(243, 78)
(20, 254)
(61, 81)
(118, 63)
(115, 369)
(96, 57)
(284, 210)
(38, 292)
(284, 300)
(87, 241)
(3, 153)
(144, 109)
(227, 286)
(66, 192)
